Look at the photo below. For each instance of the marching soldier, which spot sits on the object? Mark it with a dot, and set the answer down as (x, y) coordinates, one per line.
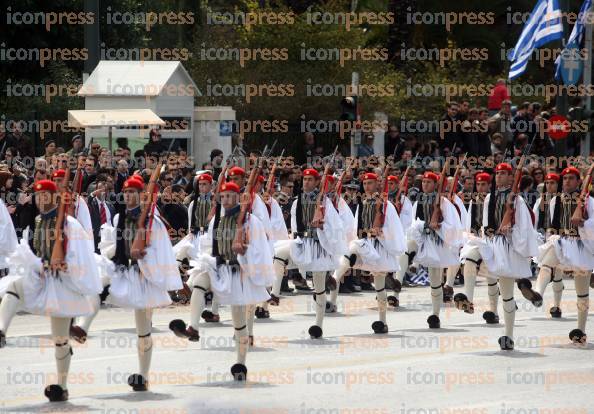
(141, 274)
(377, 244)
(571, 245)
(470, 256)
(435, 236)
(237, 274)
(318, 240)
(63, 264)
(542, 213)
(509, 243)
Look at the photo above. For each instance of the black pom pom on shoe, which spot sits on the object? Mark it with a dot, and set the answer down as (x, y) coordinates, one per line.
(506, 343)
(578, 336)
(379, 327)
(137, 382)
(433, 322)
(491, 317)
(56, 393)
(239, 372)
(555, 312)
(315, 332)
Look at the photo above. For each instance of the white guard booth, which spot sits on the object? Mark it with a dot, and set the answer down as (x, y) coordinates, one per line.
(96, 120)
(164, 88)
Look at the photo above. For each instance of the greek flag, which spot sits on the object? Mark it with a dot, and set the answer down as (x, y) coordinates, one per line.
(576, 36)
(543, 25)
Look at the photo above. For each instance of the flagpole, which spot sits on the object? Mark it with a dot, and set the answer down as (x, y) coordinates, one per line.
(588, 76)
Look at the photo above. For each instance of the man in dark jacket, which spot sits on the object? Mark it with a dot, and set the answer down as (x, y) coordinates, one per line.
(100, 209)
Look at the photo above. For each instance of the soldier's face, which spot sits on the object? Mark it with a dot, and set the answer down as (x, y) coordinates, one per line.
(45, 201)
(502, 178)
(131, 198)
(309, 183)
(237, 179)
(204, 186)
(570, 183)
(391, 186)
(229, 199)
(428, 185)
(370, 186)
(551, 186)
(482, 187)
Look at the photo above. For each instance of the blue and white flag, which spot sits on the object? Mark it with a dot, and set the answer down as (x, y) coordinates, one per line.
(576, 37)
(543, 26)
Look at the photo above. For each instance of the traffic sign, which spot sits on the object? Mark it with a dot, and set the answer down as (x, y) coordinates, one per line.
(572, 64)
(558, 127)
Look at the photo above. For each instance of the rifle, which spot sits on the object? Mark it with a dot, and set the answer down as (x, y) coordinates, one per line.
(338, 189)
(403, 187)
(220, 182)
(580, 214)
(508, 216)
(318, 218)
(380, 209)
(436, 216)
(59, 249)
(142, 237)
(240, 242)
(269, 190)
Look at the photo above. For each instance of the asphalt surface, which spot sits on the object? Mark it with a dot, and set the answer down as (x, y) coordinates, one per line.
(411, 370)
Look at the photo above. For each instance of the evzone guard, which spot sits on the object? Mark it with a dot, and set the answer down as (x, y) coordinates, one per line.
(58, 280)
(200, 211)
(77, 209)
(236, 264)
(318, 239)
(377, 242)
(570, 247)
(435, 236)
(142, 267)
(543, 224)
(471, 265)
(506, 249)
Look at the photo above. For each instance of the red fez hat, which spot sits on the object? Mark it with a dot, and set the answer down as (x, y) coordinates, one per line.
(59, 174)
(234, 171)
(571, 170)
(134, 183)
(552, 177)
(431, 176)
(230, 186)
(205, 177)
(369, 176)
(45, 185)
(504, 166)
(483, 177)
(261, 179)
(310, 172)
(331, 178)
(392, 178)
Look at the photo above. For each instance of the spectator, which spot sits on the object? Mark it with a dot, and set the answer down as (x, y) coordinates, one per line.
(498, 95)
(366, 148)
(100, 209)
(449, 129)
(392, 141)
(522, 122)
(50, 149)
(77, 146)
(470, 132)
(307, 150)
(484, 143)
(501, 123)
(6, 142)
(154, 146)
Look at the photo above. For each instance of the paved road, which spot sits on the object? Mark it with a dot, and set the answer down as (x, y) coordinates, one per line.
(411, 370)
